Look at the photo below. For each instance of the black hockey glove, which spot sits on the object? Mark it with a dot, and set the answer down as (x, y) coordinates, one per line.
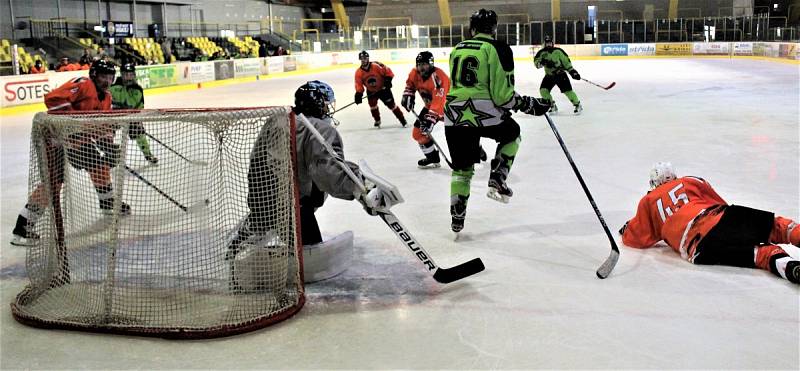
(387, 83)
(408, 102)
(575, 75)
(427, 121)
(624, 227)
(357, 98)
(532, 106)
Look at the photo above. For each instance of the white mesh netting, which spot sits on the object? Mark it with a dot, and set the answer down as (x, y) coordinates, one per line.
(204, 243)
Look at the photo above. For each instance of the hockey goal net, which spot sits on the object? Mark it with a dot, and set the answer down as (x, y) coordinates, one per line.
(183, 248)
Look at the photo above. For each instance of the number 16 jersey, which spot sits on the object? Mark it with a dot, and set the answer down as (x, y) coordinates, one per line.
(482, 83)
(671, 211)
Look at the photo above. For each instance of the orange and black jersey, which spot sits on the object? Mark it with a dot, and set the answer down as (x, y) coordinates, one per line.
(372, 77)
(433, 90)
(671, 212)
(78, 94)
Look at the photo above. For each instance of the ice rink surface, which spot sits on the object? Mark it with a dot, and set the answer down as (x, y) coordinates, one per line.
(538, 304)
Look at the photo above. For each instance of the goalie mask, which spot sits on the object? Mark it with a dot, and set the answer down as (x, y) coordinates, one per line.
(662, 172)
(327, 90)
(309, 100)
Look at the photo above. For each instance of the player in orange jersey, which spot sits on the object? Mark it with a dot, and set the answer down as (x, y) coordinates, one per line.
(91, 149)
(432, 84)
(376, 78)
(697, 223)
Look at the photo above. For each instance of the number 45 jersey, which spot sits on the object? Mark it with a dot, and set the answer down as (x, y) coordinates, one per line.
(683, 207)
(482, 83)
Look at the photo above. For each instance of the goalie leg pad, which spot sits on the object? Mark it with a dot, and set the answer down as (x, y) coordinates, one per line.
(329, 258)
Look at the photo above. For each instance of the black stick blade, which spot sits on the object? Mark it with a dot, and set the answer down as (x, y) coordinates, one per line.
(611, 86)
(608, 265)
(447, 275)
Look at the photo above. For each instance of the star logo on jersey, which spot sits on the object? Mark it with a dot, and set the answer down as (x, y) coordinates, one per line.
(468, 114)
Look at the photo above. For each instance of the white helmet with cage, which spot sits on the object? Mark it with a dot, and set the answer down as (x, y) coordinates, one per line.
(661, 173)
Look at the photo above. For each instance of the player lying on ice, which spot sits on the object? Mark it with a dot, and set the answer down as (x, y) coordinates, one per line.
(319, 175)
(697, 223)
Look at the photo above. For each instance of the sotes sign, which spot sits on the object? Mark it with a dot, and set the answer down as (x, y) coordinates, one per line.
(614, 49)
(26, 90)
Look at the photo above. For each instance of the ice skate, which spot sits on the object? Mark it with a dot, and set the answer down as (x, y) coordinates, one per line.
(23, 234)
(151, 159)
(431, 161)
(458, 212)
(107, 208)
(498, 189)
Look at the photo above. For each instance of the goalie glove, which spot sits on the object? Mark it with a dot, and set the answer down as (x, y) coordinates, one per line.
(574, 74)
(380, 195)
(531, 105)
(408, 101)
(427, 121)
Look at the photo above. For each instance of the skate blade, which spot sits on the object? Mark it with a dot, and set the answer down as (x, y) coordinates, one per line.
(430, 166)
(23, 242)
(496, 196)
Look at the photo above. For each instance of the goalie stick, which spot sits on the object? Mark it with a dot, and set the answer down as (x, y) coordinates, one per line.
(441, 275)
(601, 86)
(612, 259)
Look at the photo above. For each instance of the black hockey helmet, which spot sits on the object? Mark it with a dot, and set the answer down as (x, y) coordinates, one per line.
(483, 21)
(102, 67)
(309, 100)
(425, 57)
(127, 67)
(363, 55)
(548, 40)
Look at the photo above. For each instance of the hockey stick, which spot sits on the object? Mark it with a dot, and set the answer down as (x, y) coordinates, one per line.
(441, 275)
(172, 150)
(601, 86)
(184, 208)
(435, 144)
(353, 102)
(430, 135)
(609, 264)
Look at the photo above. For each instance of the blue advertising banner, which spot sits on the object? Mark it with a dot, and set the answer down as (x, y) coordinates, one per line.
(614, 49)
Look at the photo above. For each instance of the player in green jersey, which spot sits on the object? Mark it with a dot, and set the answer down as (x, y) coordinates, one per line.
(556, 65)
(127, 94)
(478, 106)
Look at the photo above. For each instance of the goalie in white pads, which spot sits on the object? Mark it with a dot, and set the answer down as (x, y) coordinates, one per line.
(318, 175)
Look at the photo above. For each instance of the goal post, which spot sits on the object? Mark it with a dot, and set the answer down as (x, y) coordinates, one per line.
(129, 247)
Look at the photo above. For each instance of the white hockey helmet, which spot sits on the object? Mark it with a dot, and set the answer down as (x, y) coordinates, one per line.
(661, 173)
